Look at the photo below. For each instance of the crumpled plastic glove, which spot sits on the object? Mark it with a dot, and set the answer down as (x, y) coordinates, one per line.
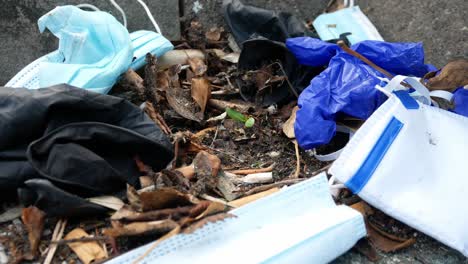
(95, 49)
(348, 84)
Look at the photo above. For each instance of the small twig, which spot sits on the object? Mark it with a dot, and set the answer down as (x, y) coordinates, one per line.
(215, 136)
(203, 132)
(82, 239)
(56, 235)
(291, 87)
(321, 170)
(298, 160)
(252, 171)
(351, 52)
(273, 185)
(157, 118)
(213, 199)
(172, 233)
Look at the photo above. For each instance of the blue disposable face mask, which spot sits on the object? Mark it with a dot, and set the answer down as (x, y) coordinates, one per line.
(94, 50)
(298, 224)
(348, 20)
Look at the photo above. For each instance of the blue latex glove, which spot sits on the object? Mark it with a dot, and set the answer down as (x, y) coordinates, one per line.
(348, 84)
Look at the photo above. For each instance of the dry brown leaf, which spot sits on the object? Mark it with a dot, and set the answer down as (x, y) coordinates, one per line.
(206, 167)
(288, 127)
(139, 228)
(201, 92)
(86, 251)
(206, 220)
(248, 199)
(386, 242)
(379, 238)
(241, 106)
(181, 101)
(214, 34)
(364, 247)
(452, 76)
(209, 161)
(110, 202)
(363, 208)
(198, 66)
(33, 218)
(164, 198)
(170, 213)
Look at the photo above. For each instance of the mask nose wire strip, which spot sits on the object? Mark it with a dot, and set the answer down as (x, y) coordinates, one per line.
(90, 6)
(124, 16)
(150, 16)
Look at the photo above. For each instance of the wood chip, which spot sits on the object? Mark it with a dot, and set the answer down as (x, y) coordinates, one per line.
(86, 251)
(263, 177)
(110, 202)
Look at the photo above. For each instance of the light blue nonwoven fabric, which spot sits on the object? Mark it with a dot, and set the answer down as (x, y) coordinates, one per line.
(94, 49)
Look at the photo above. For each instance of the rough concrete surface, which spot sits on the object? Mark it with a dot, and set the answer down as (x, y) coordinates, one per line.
(441, 25)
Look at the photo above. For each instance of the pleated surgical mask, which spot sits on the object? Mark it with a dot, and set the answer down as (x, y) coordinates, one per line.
(348, 20)
(299, 224)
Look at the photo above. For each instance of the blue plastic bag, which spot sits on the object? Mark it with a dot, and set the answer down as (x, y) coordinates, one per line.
(348, 84)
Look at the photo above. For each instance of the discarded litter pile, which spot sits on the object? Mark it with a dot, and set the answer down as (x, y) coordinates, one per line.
(97, 175)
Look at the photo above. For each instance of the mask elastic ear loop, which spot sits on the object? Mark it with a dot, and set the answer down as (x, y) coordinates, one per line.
(124, 17)
(90, 6)
(150, 16)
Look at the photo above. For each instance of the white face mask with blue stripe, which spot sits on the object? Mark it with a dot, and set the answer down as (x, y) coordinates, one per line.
(298, 224)
(348, 20)
(409, 160)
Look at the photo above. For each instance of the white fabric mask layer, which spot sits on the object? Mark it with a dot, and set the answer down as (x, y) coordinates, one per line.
(409, 160)
(299, 224)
